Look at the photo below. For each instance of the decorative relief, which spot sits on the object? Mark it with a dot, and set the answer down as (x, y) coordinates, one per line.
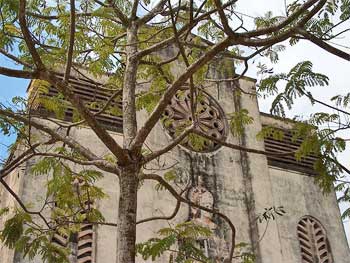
(313, 241)
(210, 118)
(214, 247)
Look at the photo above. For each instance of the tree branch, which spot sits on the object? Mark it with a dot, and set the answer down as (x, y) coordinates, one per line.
(27, 36)
(68, 140)
(169, 147)
(71, 41)
(123, 18)
(241, 148)
(167, 96)
(284, 23)
(323, 45)
(178, 197)
(23, 74)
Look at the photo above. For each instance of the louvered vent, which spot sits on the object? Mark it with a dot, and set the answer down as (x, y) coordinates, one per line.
(85, 243)
(313, 241)
(287, 144)
(84, 239)
(88, 92)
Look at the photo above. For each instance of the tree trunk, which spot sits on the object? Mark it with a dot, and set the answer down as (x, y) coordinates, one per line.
(128, 181)
(129, 109)
(126, 239)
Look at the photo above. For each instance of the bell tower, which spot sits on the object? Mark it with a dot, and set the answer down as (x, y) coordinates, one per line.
(237, 180)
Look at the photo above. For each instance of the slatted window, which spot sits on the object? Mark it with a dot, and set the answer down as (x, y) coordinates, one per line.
(314, 246)
(85, 241)
(85, 244)
(287, 144)
(89, 92)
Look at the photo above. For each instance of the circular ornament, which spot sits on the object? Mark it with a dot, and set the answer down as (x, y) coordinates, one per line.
(210, 120)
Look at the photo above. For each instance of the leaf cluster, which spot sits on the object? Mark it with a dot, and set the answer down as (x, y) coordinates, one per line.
(180, 240)
(296, 81)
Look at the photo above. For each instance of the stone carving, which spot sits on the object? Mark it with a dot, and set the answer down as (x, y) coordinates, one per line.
(214, 247)
(201, 196)
(313, 241)
(210, 118)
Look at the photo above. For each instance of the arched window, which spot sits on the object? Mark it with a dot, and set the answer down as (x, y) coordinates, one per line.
(313, 241)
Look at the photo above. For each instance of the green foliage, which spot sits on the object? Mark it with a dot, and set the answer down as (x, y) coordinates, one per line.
(272, 52)
(209, 31)
(297, 80)
(99, 46)
(158, 76)
(14, 228)
(71, 190)
(343, 188)
(181, 239)
(247, 257)
(342, 100)
(168, 176)
(321, 143)
(55, 104)
(267, 20)
(271, 132)
(197, 142)
(9, 126)
(238, 121)
(23, 235)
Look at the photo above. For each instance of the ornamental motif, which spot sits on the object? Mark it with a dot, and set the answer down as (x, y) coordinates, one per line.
(214, 247)
(210, 118)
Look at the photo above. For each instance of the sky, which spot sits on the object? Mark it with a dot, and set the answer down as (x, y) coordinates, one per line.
(338, 70)
(9, 88)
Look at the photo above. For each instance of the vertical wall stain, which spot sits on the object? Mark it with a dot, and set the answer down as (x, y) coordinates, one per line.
(248, 186)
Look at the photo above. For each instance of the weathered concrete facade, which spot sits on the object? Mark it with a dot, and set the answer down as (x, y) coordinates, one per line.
(237, 183)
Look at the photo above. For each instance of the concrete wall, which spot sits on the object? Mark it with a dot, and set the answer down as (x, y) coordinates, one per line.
(241, 184)
(302, 197)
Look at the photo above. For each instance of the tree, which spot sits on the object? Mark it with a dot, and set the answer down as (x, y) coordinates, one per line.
(120, 40)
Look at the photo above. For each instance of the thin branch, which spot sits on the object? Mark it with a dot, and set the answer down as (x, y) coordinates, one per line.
(21, 204)
(150, 15)
(223, 18)
(134, 10)
(180, 198)
(166, 98)
(69, 141)
(27, 35)
(170, 146)
(173, 214)
(71, 41)
(14, 58)
(308, 94)
(53, 17)
(241, 148)
(123, 18)
(324, 45)
(284, 23)
(23, 74)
